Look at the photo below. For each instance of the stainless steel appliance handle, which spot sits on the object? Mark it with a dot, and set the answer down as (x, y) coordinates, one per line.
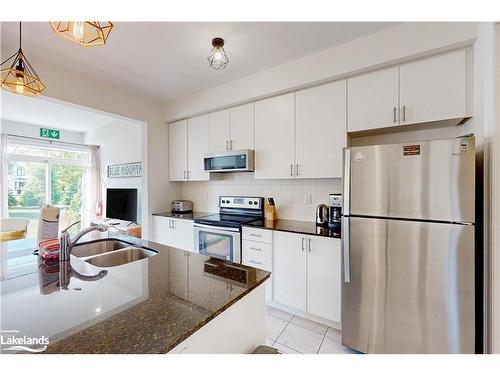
(216, 228)
(345, 249)
(347, 182)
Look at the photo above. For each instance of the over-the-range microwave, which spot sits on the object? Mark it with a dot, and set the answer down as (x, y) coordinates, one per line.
(230, 161)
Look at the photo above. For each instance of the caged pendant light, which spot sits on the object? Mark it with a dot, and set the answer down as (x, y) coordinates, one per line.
(217, 58)
(18, 76)
(84, 33)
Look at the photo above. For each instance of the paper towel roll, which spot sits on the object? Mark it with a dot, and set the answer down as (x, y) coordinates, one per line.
(48, 224)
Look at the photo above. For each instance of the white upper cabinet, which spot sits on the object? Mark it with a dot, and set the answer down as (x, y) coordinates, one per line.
(232, 129)
(320, 130)
(434, 89)
(220, 130)
(274, 137)
(198, 146)
(242, 127)
(373, 100)
(177, 150)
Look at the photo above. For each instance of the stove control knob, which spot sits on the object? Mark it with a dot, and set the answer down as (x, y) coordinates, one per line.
(255, 202)
(250, 202)
(223, 201)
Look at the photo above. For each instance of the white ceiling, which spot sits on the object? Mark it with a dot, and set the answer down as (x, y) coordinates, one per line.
(167, 60)
(41, 111)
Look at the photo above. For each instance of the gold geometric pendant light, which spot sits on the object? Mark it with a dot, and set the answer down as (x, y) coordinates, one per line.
(18, 76)
(84, 33)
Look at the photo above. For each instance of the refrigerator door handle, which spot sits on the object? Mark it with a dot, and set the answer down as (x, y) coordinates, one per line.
(347, 181)
(345, 249)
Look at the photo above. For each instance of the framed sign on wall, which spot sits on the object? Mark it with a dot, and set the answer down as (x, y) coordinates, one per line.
(125, 170)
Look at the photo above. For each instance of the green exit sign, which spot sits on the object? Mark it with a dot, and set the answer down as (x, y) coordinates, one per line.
(50, 133)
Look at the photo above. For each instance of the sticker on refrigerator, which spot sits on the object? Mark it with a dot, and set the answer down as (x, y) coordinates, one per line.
(411, 150)
(359, 156)
(464, 146)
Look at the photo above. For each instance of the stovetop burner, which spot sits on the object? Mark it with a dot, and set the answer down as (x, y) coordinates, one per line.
(235, 211)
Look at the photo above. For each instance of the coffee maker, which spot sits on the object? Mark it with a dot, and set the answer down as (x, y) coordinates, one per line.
(335, 210)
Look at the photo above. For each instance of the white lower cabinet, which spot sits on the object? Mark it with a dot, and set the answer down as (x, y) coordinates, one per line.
(323, 277)
(174, 232)
(257, 252)
(306, 273)
(289, 269)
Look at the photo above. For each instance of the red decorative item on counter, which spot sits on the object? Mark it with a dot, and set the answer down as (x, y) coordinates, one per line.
(49, 249)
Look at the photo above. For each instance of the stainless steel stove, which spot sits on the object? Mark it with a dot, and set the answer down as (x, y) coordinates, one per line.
(219, 235)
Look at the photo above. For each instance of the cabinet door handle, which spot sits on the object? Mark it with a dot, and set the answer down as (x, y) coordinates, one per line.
(185, 175)
(227, 145)
(256, 248)
(296, 170)
(255, 262)
(173, 224)
(255, 235)
(169, 224)
(309, 244)
(404, 113)
(231, 144)
(394, 114)
(303, 244)
(291, 169)
(189, 175)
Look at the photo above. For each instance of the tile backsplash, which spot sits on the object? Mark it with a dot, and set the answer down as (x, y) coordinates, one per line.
(290, 196)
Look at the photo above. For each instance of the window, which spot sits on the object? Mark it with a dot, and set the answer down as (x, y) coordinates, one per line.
(40, 174)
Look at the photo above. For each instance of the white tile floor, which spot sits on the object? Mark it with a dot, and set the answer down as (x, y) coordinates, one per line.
(292, 334)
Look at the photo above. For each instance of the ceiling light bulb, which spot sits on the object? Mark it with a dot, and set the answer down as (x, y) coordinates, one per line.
(218, 55)
(20, 85)
(77, 29)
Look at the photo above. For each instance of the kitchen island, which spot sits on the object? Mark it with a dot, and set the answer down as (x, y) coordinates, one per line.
(173, 301)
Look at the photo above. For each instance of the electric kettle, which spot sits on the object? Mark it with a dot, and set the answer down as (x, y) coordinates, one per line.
(322, 215)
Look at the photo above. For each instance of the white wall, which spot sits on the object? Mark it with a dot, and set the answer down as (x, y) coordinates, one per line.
(118, 144)
(80, 89)
(27, 130)
(288, 194)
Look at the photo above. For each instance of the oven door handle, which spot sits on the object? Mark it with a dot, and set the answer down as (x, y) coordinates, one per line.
(215, 228)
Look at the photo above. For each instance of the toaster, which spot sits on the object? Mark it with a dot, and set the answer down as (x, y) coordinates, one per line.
(181, 206)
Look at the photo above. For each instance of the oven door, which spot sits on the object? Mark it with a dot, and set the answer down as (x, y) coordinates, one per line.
(218, 242)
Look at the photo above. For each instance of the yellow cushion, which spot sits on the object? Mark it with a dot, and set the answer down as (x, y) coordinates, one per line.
(12, 235)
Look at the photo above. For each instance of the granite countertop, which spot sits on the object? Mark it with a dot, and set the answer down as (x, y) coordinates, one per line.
(296, 226)
(189, 216)
(147, 306)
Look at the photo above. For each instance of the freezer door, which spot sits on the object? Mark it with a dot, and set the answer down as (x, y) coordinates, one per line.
(410, 286)
(431, 180)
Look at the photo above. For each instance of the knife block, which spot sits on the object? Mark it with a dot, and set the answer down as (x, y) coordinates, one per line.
(270, 212)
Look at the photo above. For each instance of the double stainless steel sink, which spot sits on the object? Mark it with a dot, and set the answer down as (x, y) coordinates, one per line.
(111, 252)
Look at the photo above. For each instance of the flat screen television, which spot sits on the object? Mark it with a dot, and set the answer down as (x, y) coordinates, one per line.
(121, 204)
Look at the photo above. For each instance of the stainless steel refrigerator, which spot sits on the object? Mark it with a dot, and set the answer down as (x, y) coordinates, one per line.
(408, 247)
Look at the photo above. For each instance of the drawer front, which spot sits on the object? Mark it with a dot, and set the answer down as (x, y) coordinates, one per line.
(255, 234)
(257, 255)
